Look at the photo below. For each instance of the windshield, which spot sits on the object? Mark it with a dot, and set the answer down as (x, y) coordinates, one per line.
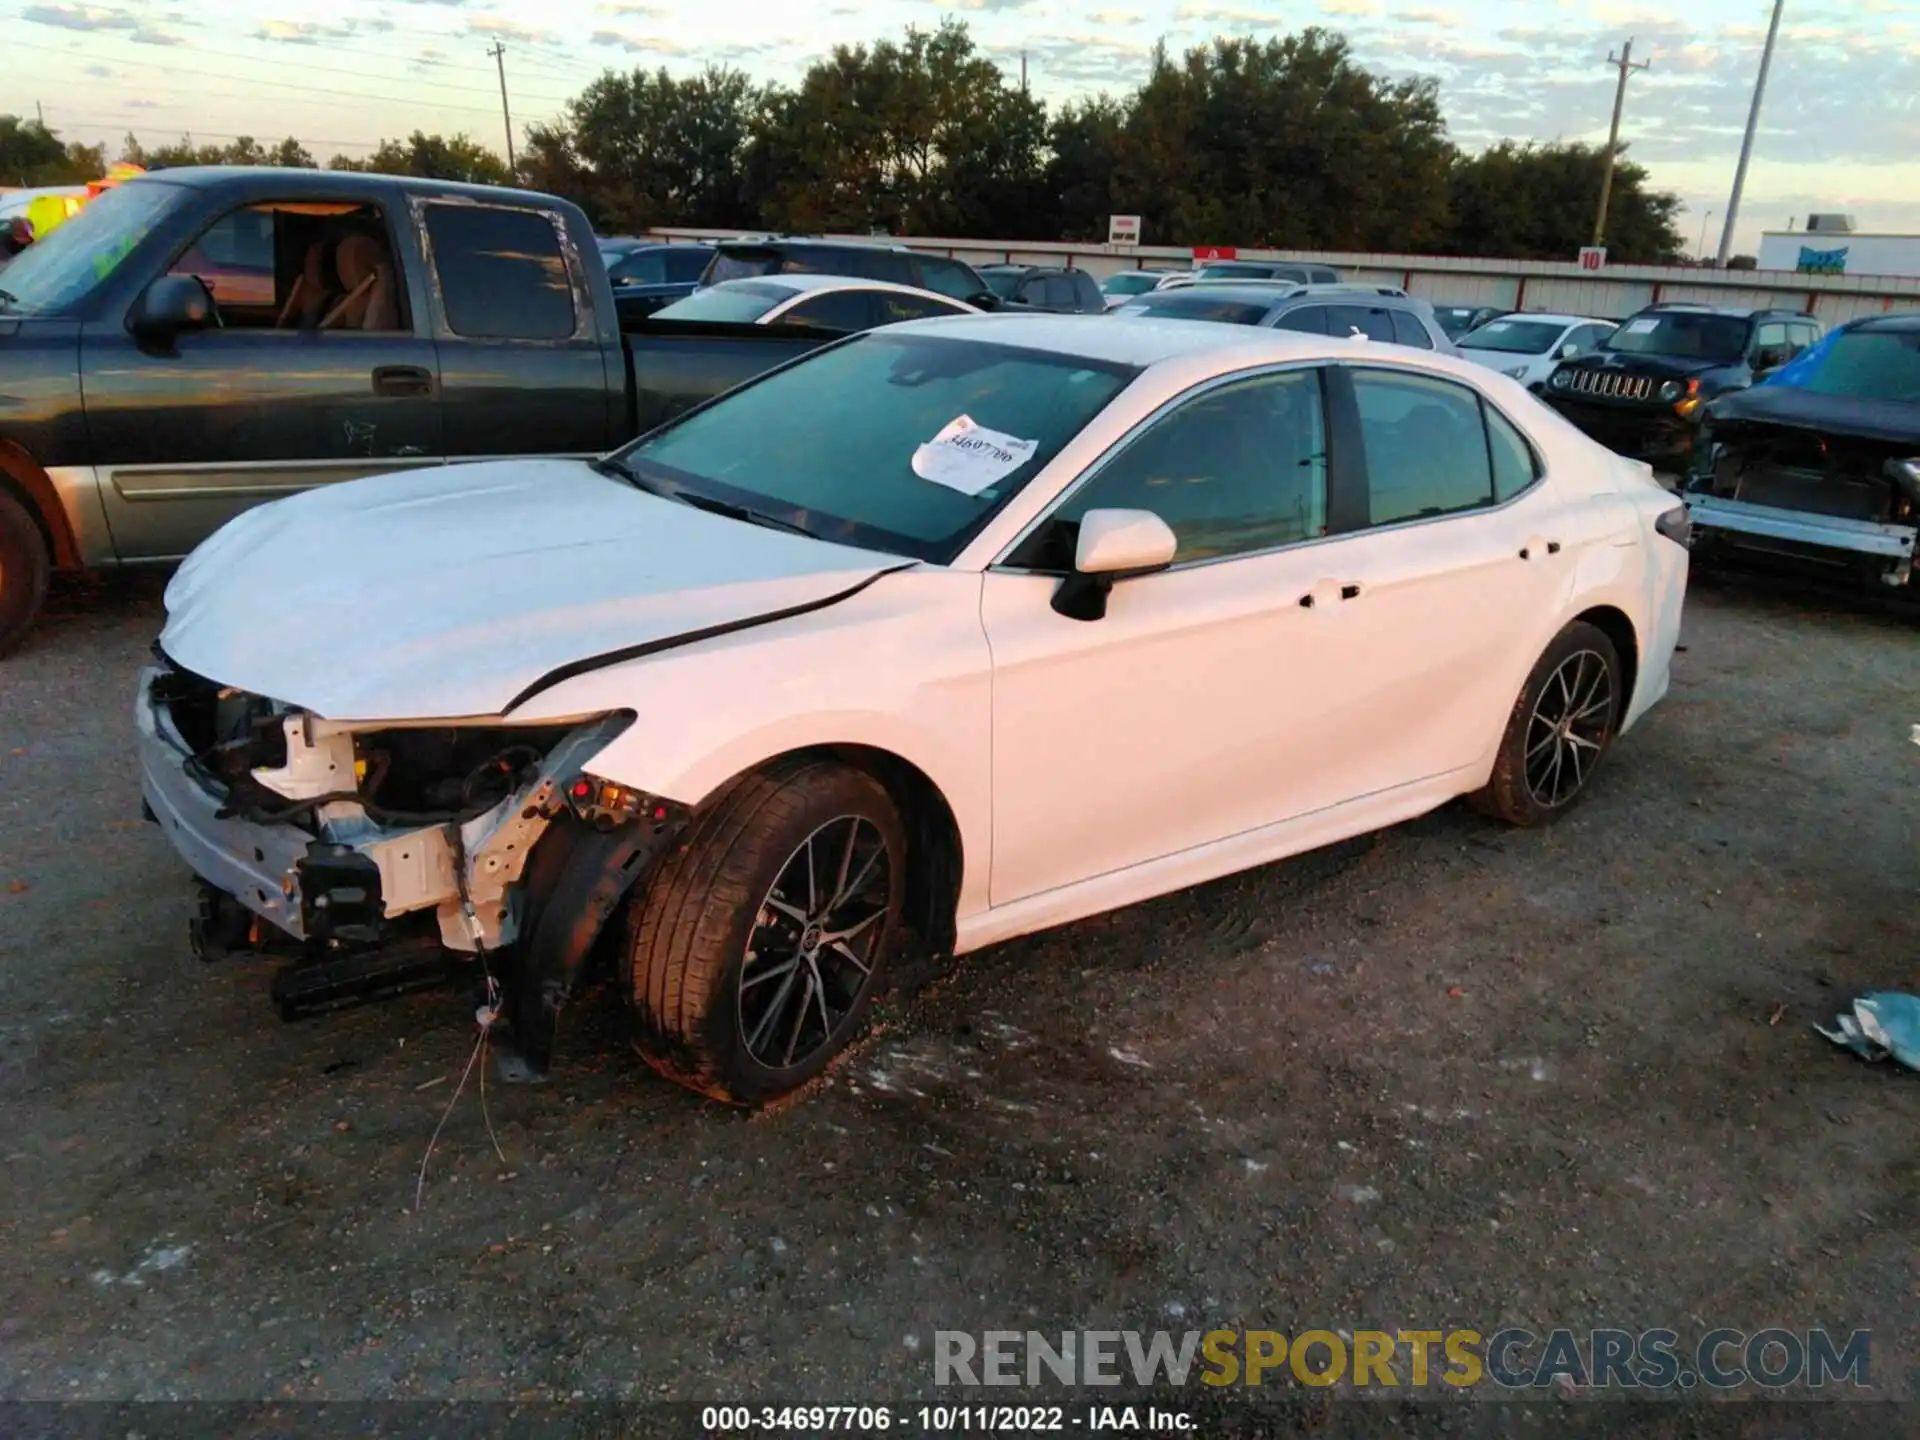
(1003, 282)
(53, 275)
(1233, 271)
(1514, 337)
(1130, 282)
(1862, 365)
(743, 264)
(1190, 304)
(1721, 338)
(739, 300)
(901, 443)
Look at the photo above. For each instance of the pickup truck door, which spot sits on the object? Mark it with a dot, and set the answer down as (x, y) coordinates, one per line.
(303, 382)
(526, 367)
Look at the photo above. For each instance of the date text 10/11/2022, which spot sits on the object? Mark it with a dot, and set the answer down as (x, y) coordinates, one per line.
(942, 1419)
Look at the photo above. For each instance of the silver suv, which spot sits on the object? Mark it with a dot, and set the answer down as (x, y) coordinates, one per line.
(1374, 311)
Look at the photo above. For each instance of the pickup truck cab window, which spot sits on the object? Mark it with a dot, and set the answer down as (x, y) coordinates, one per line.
(300, 266)
(502, 273)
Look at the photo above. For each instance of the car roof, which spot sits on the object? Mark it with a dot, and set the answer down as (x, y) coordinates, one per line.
(805, 242)
(1551, 317)
(1905, 323)
(1736, 312)
(805, 284)
(320, 184)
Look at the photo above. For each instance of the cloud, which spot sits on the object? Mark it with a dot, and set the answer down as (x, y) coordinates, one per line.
(102, 72)
(633, 11)
(312, 32)
(986, 7)
(1077, 62)
(96, 18)
(1349, 7)
(143, 104)
(1115, 17)
(640, 44)
(1231, 16)
(498, 27)
(1446, 18)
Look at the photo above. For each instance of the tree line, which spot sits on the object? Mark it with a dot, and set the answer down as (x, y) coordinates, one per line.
(1286, 143)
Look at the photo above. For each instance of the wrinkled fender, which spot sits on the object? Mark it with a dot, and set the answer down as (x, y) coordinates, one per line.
(903, 667)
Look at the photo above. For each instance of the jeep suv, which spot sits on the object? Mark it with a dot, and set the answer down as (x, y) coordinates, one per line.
(1642, 392)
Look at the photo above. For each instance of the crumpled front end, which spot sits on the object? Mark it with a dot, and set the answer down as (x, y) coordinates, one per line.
(1827, 501)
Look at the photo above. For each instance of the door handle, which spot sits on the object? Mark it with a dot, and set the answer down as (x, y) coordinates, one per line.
(1349, 591)
(402, 380)
(1553, 547)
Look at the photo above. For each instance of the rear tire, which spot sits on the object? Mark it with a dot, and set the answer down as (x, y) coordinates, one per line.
(758, 944)
(1560, 729)
(24, 568)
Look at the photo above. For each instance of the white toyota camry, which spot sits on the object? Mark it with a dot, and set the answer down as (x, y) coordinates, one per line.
(940, 635)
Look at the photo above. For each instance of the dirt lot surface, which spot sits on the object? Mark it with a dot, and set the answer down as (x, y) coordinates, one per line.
(1452, 1075)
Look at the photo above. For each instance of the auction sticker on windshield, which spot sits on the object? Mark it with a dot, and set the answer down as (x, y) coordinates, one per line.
(1642, 327)
(969, 457)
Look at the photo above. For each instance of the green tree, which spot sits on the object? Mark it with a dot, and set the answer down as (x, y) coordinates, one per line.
(245, 150)
(645, 149)
(1537, 202)
(31, 154)
(925, 136)
(432, 157)
(1083, 169)
(1286, 143)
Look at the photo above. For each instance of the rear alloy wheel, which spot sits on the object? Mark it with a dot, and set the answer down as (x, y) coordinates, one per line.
(1560, 728)
(758, 945)
(24, 567)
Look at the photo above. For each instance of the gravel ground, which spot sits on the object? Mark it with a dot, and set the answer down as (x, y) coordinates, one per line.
(1451, 1075)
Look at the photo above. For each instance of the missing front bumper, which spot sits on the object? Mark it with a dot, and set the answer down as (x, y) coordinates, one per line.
(1767, 527)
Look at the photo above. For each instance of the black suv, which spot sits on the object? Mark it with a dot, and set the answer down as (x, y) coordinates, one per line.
(1641, 393)
(1041, 287)
(744, 259)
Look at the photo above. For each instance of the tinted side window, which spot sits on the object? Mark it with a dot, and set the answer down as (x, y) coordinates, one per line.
(895, 306)
(1425, 444)
(1408, 330)
(842, 310)
(1088, 291)
(1061, 294)
(1802, 335)
(1346, 319)
(684, 266)
(501, 273)
(1033, 291)
(1309, 318)
(644, 267)
(947, 277)
(1318, 275)
(1237, 469)
(1514, 464)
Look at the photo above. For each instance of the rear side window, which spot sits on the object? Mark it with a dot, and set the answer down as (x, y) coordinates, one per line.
(502, 275)
(1348, 319)
(844, 311)
(1310, 319)
(642, 267)
(1319, 275)
(947, 277)
(1408, 330)
(1426, 446)
(1060, 293)
(1089, 293)
(1514, 465)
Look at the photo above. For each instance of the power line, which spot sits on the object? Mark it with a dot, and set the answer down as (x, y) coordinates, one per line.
(125, 128)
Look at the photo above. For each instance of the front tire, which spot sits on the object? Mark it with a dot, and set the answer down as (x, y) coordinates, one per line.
(1560, 729)
(757, 946)
(24, 568)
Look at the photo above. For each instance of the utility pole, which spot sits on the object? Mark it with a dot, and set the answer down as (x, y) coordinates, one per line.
(40, 116)
(1746, 143)
(1623, 62)
(499, 53)
(1023, 72)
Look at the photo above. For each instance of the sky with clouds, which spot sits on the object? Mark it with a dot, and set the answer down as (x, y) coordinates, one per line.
(1841, 128)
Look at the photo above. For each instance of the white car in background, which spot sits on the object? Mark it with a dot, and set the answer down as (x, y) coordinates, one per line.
(841, 303)
(947, 633)
(1525, 346)
(1123, 285)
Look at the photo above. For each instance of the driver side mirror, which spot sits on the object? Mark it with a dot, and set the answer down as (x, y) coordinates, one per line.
(1113, 545)
(172, 305)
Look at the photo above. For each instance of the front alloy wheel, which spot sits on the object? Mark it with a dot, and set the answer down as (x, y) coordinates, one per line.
(756, 947)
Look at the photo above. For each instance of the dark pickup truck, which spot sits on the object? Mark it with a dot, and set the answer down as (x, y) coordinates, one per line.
(198, 341)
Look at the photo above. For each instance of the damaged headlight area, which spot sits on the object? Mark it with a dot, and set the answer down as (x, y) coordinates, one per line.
(369, 851)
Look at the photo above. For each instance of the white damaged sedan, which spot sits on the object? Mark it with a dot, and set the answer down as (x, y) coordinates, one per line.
(940, 635)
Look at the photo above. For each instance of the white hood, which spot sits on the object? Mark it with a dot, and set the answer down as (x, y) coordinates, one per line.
(430, 594)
